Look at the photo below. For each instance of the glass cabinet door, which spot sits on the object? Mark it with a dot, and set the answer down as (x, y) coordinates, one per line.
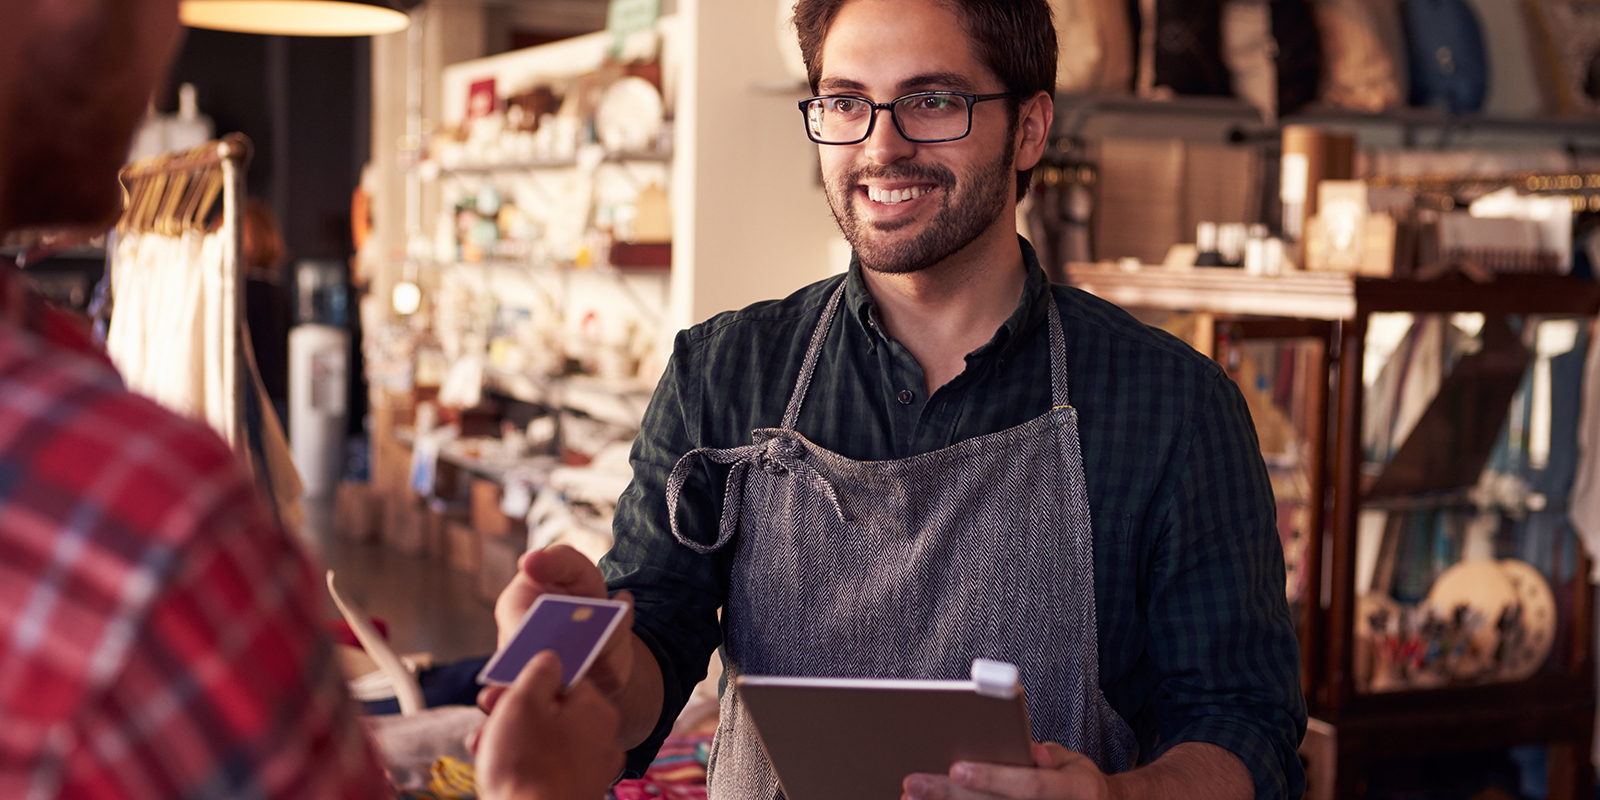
(1465, 555)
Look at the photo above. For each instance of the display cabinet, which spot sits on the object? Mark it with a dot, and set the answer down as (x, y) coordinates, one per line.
(1420, 440)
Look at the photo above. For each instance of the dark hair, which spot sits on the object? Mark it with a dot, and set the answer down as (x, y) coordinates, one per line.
(1015, 39)
(262, 247)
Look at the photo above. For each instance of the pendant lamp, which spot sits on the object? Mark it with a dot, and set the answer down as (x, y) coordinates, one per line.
(295, 17)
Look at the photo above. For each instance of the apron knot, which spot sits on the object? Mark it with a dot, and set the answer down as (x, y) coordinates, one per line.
(778, 456)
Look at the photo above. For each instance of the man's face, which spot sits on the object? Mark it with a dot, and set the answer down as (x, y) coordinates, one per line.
(905, 206)
(90, 68)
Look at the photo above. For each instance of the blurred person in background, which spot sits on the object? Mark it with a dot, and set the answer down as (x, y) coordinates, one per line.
(159, 631)
(266, 302)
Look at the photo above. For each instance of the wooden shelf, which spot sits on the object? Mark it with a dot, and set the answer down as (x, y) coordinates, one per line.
(1218, 290)
(619, 157)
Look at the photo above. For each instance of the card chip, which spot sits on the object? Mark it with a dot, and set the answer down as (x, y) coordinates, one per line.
(582, 613)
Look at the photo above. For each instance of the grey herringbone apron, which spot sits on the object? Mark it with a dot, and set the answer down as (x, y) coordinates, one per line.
(911, 569)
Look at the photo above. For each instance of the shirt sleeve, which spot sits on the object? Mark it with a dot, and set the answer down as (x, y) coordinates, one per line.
(1220, 632)
(677, 592)
(228, 687)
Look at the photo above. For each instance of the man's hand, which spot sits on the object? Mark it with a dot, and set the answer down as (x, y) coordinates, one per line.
(1194, 770)
(1059, 774)
(543, 744)
(563, 570)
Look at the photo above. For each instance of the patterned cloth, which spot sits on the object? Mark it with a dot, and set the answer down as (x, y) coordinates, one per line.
(159, 633)
(677, 773)
(1195, 639)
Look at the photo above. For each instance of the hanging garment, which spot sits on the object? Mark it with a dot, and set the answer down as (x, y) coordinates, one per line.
(1096, 46)
(169, 333)
(1584, 502)
(911, 568)
(1449, 66)
(1360, 65)
(1180, 47)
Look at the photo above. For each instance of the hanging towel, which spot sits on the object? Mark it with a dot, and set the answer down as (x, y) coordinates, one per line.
(1584, 503)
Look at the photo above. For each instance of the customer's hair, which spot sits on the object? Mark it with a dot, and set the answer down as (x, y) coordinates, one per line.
(1015, 39)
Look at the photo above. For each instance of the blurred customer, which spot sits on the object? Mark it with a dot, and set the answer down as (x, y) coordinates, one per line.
(266, 302)
(158, 629)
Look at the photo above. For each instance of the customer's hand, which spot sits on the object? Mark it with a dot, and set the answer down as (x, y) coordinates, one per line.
(544, 744)
(562, 570)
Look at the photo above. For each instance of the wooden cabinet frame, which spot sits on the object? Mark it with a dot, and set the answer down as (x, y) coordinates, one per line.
(1556, 707)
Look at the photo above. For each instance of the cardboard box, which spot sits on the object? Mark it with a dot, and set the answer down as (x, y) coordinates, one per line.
(404, 523)
(499, 565)
(463, 550)
(356, 511)
(440, 517)
(486, 516)
(1152, 193)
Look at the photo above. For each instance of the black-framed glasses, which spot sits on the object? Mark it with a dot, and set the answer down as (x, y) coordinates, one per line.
(923, 117)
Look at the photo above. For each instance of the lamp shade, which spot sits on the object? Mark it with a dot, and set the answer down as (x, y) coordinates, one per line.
(294, 17)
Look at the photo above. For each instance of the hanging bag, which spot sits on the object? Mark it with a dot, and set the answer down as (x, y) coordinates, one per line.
(1449, 67)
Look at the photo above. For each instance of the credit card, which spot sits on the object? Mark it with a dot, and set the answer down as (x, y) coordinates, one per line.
(575, 627)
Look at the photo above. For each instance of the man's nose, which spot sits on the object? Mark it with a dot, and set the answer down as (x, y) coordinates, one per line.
(885, 145)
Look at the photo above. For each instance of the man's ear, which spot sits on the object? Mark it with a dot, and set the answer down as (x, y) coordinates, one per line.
(1034, 117)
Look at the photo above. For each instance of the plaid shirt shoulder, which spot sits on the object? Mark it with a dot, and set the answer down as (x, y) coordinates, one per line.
(159, 632)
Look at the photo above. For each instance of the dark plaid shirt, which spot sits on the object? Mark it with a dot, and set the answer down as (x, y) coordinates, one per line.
(1195, 638)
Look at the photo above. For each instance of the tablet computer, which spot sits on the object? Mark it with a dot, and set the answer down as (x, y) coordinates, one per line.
(858, 738)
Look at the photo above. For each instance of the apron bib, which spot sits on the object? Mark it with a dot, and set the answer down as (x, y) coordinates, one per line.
(910, 569)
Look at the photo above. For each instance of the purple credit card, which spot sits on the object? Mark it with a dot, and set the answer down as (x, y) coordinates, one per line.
(575, 627)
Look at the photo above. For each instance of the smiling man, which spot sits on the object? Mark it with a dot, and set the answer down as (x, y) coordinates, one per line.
(939, 456)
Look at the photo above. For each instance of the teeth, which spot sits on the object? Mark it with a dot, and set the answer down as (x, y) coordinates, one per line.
(895, 195)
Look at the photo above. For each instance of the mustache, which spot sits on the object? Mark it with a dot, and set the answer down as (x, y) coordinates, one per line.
(942, 176)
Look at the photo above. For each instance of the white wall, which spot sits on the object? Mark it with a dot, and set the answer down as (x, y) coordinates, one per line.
(760, 227)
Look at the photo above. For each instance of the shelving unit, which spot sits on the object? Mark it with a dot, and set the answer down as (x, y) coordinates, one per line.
(1557, 705)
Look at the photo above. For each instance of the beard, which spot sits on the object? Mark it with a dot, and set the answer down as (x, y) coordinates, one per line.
(968, 205)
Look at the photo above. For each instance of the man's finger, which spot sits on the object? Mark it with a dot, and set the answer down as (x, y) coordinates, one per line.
(1050, 755)
(539, 682)
(937, 787)
(1018, 782)
(488, 696)
(565, 570)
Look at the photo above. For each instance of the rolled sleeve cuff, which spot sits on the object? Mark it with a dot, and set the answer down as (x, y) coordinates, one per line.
(673, 699)
(1273, 763)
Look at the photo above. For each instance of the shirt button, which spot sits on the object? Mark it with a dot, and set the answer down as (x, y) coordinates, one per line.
(906, 397)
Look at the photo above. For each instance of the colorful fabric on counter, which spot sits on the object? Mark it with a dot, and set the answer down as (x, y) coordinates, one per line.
(159, 633)
(1195, 639)
(677, 773)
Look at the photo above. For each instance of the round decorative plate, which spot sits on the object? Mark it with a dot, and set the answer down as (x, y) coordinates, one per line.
(629, 116)
(1481, 586)
(1528, 645)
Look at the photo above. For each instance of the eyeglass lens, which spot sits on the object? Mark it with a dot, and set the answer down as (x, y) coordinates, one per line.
(928, 116)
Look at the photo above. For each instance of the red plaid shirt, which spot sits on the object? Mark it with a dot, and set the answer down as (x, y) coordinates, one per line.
(159, 633)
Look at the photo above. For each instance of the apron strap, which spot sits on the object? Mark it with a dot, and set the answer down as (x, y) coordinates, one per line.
(1059, 397)
(791, 415)
(776, 456)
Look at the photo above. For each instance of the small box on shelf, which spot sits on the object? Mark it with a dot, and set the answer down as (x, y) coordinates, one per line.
(486, 516)
(356, 511)
(404, 523)
(463, 550)
(499, 564)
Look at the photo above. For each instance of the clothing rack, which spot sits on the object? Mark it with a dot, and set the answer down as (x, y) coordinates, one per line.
(176, 193)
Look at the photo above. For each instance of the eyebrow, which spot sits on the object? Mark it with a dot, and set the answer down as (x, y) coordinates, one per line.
(924, 82)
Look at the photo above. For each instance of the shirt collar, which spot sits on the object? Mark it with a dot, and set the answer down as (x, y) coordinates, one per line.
(1031, 306)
